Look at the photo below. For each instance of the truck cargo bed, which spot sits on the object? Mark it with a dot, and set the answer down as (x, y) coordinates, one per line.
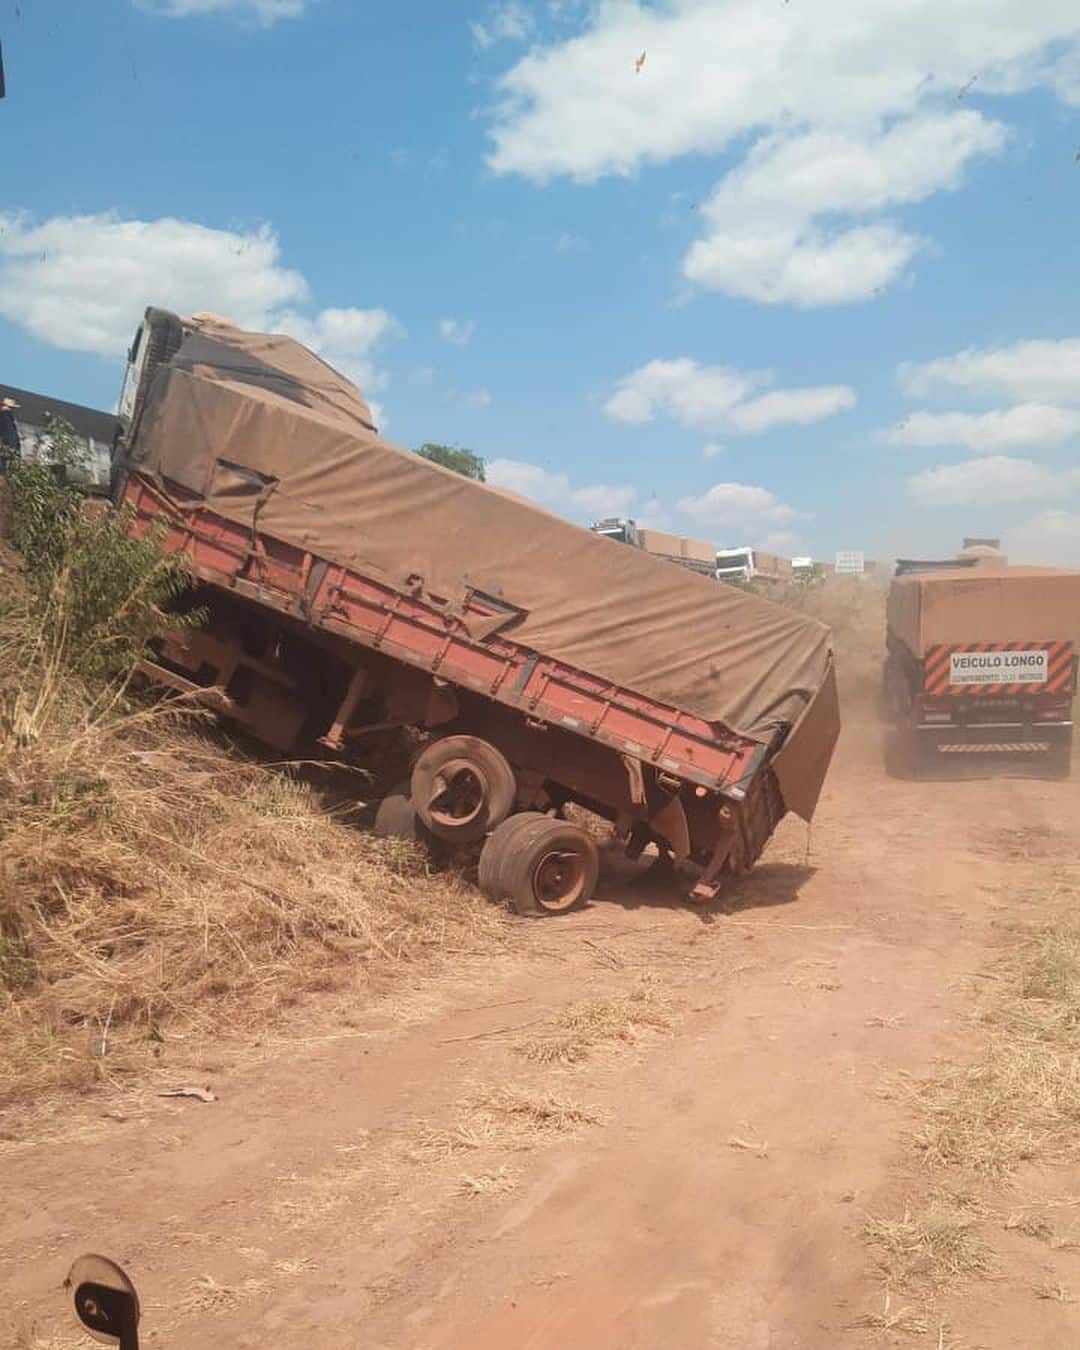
(362, 610)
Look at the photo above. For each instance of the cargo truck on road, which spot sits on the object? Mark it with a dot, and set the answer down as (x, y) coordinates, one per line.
(752, 564)
(980, 667)
(693, 554)
(352, 587)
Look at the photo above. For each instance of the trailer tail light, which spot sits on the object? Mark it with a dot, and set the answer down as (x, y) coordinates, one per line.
(934, 712)
(1056, 710)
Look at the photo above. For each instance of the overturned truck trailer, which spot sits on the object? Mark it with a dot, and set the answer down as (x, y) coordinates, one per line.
(351, 587)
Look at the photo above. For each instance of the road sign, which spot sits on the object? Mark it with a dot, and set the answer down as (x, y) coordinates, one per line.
(850, 562)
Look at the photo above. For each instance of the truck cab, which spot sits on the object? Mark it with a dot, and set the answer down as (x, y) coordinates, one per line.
(735, 564)
(614, 527)
(803, 569)
(156, 340)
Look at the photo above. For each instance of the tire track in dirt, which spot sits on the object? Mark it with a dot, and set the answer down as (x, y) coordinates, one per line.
(299, 1196)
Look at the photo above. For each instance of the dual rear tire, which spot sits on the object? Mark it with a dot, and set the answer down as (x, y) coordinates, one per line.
(539, 864)
(462, 791)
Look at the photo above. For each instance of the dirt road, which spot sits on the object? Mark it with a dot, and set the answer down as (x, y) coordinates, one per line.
(431, 1174)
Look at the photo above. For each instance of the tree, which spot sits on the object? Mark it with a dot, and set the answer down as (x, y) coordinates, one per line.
(454, 457)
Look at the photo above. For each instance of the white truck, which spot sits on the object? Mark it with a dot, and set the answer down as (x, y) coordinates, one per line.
(750, 564)
(804, 569)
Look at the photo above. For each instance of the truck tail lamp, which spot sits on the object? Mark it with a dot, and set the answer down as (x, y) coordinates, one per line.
(1054, 710)
(934, 712)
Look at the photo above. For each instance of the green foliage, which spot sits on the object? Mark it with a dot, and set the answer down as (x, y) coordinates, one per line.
(454, 457)
(96, 593)
(42, 503)
(110, 594)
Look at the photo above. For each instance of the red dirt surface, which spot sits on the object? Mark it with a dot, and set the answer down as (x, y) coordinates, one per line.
(717, 1201)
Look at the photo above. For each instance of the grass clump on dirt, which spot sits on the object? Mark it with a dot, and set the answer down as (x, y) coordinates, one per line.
(154, 884)
(1020, 1100)
(503, 1118)
(936, 1245)
(616, 1019)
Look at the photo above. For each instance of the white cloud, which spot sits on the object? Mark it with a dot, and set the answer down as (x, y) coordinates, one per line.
(740, 505)
(1032, 371)
(993, 481)
(1051, 538)
(768, 234)
(556, 492)
(457, 331)
(694, 395)
(829, 97)
(476, 398)
(509, 21)
(716, 72)
(717, 398)
(1028, 424)
(792, 407)
(712, 450)
(81, 283)
(265, 12)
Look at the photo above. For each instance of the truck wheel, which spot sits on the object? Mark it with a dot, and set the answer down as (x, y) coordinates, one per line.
(462, 787)
(496, 848)
(396, 816)
(550, 868)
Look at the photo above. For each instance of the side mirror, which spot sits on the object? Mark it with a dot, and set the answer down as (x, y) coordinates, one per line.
(105, 1301)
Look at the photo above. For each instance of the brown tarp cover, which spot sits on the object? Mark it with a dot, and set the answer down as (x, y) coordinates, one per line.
(985, 604)
(268, 434)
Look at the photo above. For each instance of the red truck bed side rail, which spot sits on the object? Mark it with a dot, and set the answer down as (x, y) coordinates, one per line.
(453, 646)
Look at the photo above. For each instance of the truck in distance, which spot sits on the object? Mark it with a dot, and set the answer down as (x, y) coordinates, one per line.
(693, 554)
(980, 667)
(622, 531)
(353, 589)
(751, 564)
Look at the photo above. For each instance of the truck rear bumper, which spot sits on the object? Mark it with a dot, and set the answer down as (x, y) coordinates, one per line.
(1021, 748)
(1003, 738)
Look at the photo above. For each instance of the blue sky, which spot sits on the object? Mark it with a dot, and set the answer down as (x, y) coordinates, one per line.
(808, 278)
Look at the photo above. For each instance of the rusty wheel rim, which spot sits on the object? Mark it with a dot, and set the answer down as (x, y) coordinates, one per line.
(558, 880)
(459, 795)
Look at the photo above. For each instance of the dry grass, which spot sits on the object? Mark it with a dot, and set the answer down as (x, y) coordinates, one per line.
(1032, 1226)
(153, 882)
(935, 1246)
(1053, 1291)
(1020, 1100)
(499, 1181)
(504, 1118)
(616, 1019)
(206, 1294)
(892, 1321)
